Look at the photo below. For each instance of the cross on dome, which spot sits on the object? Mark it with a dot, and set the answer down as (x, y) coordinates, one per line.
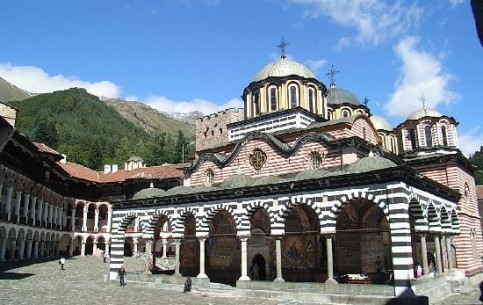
(282, 46)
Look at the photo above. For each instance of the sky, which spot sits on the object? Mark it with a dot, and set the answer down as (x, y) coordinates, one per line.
(186, 55)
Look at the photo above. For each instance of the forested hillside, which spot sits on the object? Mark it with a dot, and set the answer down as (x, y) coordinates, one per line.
(89, 132)
(477, 160)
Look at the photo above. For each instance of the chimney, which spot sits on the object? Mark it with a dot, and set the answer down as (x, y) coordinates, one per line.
(107, 168)
(115, 168)
(64, 159)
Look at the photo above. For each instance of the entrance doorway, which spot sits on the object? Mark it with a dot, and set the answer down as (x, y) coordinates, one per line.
(258, 272)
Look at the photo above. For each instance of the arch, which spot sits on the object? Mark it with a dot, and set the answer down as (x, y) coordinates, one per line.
(272, 98)
(345, 113)
(428, 136)
(256, 103)
(331, 217)
(247, 216)
(312, 99)
(206, 221)
(153, 221)
(418, 215)
(126, 220)
(434, 220)
(179, 223)
(293, 95)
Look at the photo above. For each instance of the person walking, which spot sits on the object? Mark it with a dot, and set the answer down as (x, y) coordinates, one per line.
(62, 263)
(122, 274)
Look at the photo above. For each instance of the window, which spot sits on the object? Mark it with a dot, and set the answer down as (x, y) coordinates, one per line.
(346, 113)
(256, 104)
(444, 136)
(364, 133)
(312, 101)
(273, 98)
(413, 136)
(293, 96)
(258, 159)
(210, 177)
(315, 160)
(429, 136)
(330, 115)
(393, 144)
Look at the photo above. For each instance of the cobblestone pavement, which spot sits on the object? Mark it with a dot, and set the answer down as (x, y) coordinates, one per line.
(83, 283)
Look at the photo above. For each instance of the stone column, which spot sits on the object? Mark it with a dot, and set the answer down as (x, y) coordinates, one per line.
(83, 248)
(177, 243)
(18, 200)
(71, 248)
(244, 276)
(96, 220)
(13, 247)
(21, 248)
(106, 248)
(73, 220)
(94, 247)
(39, 212)
(33, 210)
(424, 253)
(136, 224)
(84, 219)
(26, 199)
(149, 247)
(29, 249)
(278, 258)
(439, 265)
(109, 219)
(8, 202)
(165, 246)
(135, 243)
(36, 249)
(51, 214)
(3, 248)
(330, 261)
(202, 274)
(449, 252)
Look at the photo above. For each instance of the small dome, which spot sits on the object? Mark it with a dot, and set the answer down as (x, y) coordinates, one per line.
(237, 180)
(151, 192)
(380, 123)
(135, 158)
(311, 174)
(370, 164)
(283, 67)
(421, 113)
(340, 96)
(179, 190)
(268, 180)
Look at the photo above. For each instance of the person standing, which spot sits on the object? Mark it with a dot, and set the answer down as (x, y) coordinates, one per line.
(187, 285)
(122, 274)
(62, 263)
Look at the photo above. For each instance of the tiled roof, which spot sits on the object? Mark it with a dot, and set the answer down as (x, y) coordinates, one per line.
(44, 148)
(165, 171)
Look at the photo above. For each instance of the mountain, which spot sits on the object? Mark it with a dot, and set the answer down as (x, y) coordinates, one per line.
(92, 133)
(149, 118)
(9, 92)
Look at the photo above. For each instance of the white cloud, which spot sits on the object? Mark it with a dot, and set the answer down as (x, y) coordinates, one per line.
(456, 2)
(471, 141)
(421, 74)
(164, 104)
(315, 65)
(373, 20)
(36, 80)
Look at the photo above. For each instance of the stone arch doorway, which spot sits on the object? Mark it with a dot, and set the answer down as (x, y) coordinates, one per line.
(299, 245)
(258, 270)
(89, 246)
(223, 250)
(189, 251)
(362, 243)
(128, 246)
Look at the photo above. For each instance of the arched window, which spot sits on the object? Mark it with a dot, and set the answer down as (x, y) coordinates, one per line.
(330, 115)
(315, 160)
(413, 136)
(256, 104)
(346, 113)
(312, 100)
(293, 94)
(364, 133)
(273, 98)
(444, 136)
(210, 177)
(428, 136)
(392, 142)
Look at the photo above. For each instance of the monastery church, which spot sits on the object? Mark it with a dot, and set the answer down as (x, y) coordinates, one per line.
(301, 185)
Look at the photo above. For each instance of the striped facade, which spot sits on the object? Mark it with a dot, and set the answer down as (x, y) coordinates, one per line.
(394, 199)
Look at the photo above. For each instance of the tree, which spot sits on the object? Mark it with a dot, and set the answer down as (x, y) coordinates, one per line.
(46, 132)
(477, 160)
